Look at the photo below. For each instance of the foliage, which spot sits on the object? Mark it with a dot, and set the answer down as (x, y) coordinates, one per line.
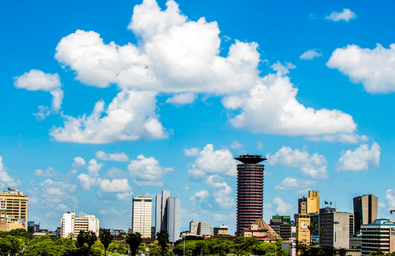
(134, 240)
(380, 252)
(106, 239)
(118, 247)
(163, 240)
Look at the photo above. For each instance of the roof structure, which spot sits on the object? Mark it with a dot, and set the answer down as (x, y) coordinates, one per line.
(270, 232)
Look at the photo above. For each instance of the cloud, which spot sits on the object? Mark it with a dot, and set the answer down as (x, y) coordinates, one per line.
(148, 171)
(50, 172)
(375, 69)
(271, 107)
(203, 195)
(351, 138)
(282, 69)
(116, 185)
(310, 54)
(222, 193)
(36, 80)
(79, 162)
(382, 205)
(124, 196)
(92, 178)
(130, 116)
(345, 15)
(314, 165)
(116, 173)
(259, 145)
(181, 99)
(283, 208)
(214, 162)
(361, 159)
(236, 145)
(112, 211)
(191, 152)
(292, 184)
(119, 157)
(6, 178)
(391, 198)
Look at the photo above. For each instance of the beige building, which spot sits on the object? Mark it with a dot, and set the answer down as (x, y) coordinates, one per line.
(260, 229)
(306, 207)
(302, 223)
(313, 202)
(337, 225)
(14, 214)
(141, 215)
(365, 210)
(71, 225)
(379, 234)
(221, 230)
(200, 228)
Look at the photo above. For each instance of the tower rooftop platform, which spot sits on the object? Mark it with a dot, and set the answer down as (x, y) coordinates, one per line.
(250, 159)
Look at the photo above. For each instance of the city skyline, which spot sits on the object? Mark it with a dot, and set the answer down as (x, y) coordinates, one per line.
(171, 98)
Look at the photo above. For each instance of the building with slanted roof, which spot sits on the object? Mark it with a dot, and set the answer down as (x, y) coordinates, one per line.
(262, 231)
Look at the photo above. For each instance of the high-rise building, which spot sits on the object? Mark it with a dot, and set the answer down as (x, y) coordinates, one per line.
(282, 228)
(141, 215)
(378, 235)
(307, 210)
(15, 209)
(365, 211)
(173, 218)
(311, 204)
(337, 228)
(70, 224)
(249, 191)
(161, 211)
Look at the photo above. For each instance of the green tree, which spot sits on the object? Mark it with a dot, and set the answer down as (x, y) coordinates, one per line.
(134, 240)
(163, 240)
(5, 245)
(106, 239)
(312, 227)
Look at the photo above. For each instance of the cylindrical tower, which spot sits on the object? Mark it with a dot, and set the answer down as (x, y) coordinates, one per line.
(249, 191)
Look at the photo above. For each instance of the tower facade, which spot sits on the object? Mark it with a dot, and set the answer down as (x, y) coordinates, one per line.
(173, 218)
(161, 211)
(16, 209)
(141, 215)
(365, 211)
(249, 191)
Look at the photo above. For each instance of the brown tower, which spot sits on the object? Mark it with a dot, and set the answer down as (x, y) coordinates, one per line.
(249, 191)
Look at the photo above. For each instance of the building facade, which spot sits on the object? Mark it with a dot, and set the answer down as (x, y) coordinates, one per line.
(221, 230)
(379, 234)
(199, 228)
(337, 228)
(16, 208)
(249, 191)
(307, 215)
(71, 225)
(365, 211)
(173, 218)
(281, 228)
(141, 215)
(161, 211)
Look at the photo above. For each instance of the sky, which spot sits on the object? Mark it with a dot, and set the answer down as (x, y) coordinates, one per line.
(104, 101)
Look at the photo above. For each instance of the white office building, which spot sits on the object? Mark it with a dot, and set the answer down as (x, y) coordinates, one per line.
(161, 211)
(141, 215)
(70, 224)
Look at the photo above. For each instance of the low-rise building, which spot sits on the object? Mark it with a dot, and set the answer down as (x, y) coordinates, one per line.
(261, 230)
(221, 230)
(70, 224)
(282, 228)
(378, 235)
(199, 228)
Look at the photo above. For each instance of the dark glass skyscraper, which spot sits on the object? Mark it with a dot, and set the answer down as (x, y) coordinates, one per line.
(249, 191)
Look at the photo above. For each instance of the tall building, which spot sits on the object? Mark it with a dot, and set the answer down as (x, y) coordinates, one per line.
(70, 224)
(161, 211)
(249, 191)
(141, 215)
(307, 209)
(311, 204)
(379, 234)
(365, 211)
(15, 209)
(173, 218)
(282, 228)
(199, 228)
(337, 226)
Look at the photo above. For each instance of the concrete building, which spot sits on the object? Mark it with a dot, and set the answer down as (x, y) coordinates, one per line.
(16, 208)
(141, 215)
(221, 230)
(249, 191)
(283, 218)
(379, 234)
(70, 224)
(337, 225)
(365, 211)
(302, 231)
(199, 228)
(193, 227)
(283, 229)
(261, 231)
(161, 211)
(173, 218)
(307, 207)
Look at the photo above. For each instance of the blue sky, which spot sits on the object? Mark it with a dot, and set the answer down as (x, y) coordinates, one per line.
(102, 102)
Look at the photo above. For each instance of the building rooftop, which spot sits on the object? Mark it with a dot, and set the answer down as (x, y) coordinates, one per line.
(250, 159)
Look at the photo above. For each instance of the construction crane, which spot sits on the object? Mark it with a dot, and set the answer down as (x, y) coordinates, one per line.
(391, 211)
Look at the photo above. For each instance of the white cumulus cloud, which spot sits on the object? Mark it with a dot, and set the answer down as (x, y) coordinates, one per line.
(115, 185)
(130, 116)
(50, 172)
(202, 195)
(236, 145)
(360, 159)
(222, 193)
(292, 184)
(310, 54)
(345, 15)
(181, 99)
(119, 157)
(314, 165)
(375, 69)
(191, 152)
(283, 208)
(148, 171)
(92, 178)
(271, 107)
